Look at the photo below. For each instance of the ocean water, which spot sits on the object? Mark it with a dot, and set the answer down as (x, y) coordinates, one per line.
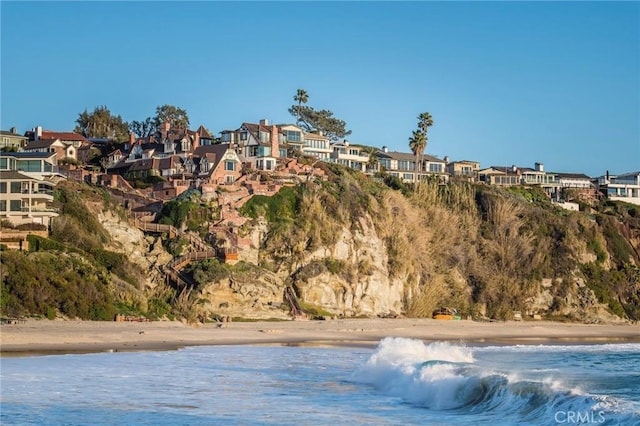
(401, 382)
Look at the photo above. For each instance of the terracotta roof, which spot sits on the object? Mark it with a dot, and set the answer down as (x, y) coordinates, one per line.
(63, 136)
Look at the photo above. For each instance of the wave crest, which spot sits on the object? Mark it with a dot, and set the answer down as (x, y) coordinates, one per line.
(442, 376)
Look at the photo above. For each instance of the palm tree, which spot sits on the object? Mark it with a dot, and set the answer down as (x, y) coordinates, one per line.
(425, 120)
(372, 163)
(301, 97)
(417, 143)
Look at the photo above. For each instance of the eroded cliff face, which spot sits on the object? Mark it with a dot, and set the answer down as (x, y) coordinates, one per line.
(255, 294)
(144, 251)
(400, 256)
(352, 277)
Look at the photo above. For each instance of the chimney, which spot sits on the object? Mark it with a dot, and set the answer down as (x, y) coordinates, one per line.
(196, 141)
(38, 134)
(275, 145)
(385, 149)
(132, 138)
(346, 142)
(14, 130)
(320, 132)
(164, 129)
(539, 167)
(446, 159)
(264, 122)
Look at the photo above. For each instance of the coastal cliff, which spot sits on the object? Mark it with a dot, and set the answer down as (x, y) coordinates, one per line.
(354, 246)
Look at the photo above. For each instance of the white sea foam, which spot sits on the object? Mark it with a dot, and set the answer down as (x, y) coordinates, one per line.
(442, 376)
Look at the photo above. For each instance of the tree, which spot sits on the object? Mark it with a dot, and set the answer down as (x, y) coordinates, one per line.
(372, 162)
(418, 139)
(102, 124)
(144, 128)
(425, 120)
(320, 121)
(417, 143)
(312, 120)
(301, 97)
(176, 117)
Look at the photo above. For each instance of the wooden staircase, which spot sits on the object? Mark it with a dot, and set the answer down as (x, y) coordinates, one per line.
(292, 300)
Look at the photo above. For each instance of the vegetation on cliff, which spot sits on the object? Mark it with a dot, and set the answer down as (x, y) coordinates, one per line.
(69, 273)
(481, 249)
(486, 251)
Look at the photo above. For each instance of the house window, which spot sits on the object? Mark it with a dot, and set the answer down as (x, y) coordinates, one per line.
(15, 206)
(243, 136)
(229, 179)
(406, 165)
(16, 188)
(293, 136)
(230, 166)
(3, 206)
(3, 163)
(3, 187)
(435, 167)
(407, 176)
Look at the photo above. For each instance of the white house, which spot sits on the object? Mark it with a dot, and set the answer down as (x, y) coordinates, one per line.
(624, 187)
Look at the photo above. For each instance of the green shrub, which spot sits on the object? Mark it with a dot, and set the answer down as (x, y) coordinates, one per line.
(50, 313)
(281, 206)
(210, 270)
(595, 247)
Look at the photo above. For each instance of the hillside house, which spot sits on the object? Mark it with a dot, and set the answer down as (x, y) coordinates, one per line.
(353, 156)
(218, 164)
(27, 180)
(500, 176)
(403, 165)
(257, 144)
(464, 169)
(624, 187)
(12, 140)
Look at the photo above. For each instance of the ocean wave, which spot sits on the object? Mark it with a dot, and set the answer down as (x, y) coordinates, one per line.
(443, 376)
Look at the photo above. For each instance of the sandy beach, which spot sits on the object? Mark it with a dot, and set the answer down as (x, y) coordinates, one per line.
(44, 336)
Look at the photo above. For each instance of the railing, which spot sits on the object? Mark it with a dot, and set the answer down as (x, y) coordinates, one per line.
(180, 262)
(177, 277)
(290, 298)
(156, 227)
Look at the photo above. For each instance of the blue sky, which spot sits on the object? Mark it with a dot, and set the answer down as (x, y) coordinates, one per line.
(506, 82)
